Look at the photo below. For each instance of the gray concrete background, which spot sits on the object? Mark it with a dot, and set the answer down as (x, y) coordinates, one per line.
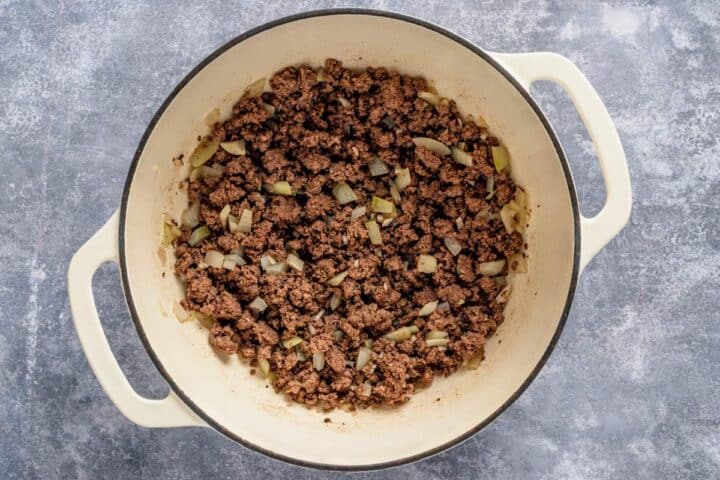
(632, 388)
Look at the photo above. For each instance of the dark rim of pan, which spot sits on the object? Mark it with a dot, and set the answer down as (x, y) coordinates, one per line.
(123, 259)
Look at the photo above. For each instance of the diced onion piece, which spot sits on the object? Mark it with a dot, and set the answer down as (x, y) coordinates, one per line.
(429, 97)
(453, 245)
(387, 222)
(507, 215)
(490, 269)
(321, 75)
(338, 279)
(300, 355)
(294, 262)
(335, 301)
(258, 305)
(266, 261)
(443, 307)
(517, 263)
(501, 159)
(282, 188)
(194, 174)
(318, 316)
(365, 389)
(236, 147)
(337, 334)
(255, 89)
(343, 193)
(377, 167)
(224, 214)
(191, 216)
(358, 212)
(380, 205)
(490, 187)
(205, 320)
(388, 121)
(463, 158)
(214, 258)
(232, 260)
(460, 223)
(432, 145)
(245, 222)
(263, 366)
(521, 217)
(474, 361)
(374, 232)
(198, 235)
(426, 264)
(318, 361)
(395, 193)
(402, 178)
(276, 268)
(344, 102)
(229, 264)
(170, 233)
(436, 334)
(427, 309)
(292, 342)
(364, 355)
(232, 221)
(504, 294)
(402, 333)
(269, 108)
(204, 151)
(368, 343)
(521, 198)
(180, 313)
(210, 172)
(437, 342)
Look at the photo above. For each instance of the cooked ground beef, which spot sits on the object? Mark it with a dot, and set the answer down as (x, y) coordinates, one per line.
(325, 128)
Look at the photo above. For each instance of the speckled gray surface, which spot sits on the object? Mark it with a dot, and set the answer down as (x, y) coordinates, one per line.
(632, 388)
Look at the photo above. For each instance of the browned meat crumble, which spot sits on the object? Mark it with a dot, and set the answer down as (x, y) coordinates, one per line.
(317, 129)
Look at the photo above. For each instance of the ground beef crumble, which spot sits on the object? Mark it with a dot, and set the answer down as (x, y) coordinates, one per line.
(318, 127)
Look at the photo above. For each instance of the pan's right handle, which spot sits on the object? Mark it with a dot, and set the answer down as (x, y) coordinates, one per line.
(167, 412)
(596, 231)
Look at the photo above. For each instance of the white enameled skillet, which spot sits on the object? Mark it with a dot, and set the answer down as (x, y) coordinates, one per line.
(210, 391)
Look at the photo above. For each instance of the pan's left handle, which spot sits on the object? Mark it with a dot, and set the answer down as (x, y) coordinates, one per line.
(167, 412)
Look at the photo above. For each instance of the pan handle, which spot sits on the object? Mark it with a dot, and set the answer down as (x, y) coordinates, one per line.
(167, 412)
(596, 231)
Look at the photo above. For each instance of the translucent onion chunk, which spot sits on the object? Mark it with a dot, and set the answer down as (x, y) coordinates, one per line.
(236, 147)
(204, 151)
(432, 145)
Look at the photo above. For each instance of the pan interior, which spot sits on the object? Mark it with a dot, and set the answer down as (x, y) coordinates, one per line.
(222, 390)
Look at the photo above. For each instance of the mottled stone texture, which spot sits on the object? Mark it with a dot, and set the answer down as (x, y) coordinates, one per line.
(630, 391)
